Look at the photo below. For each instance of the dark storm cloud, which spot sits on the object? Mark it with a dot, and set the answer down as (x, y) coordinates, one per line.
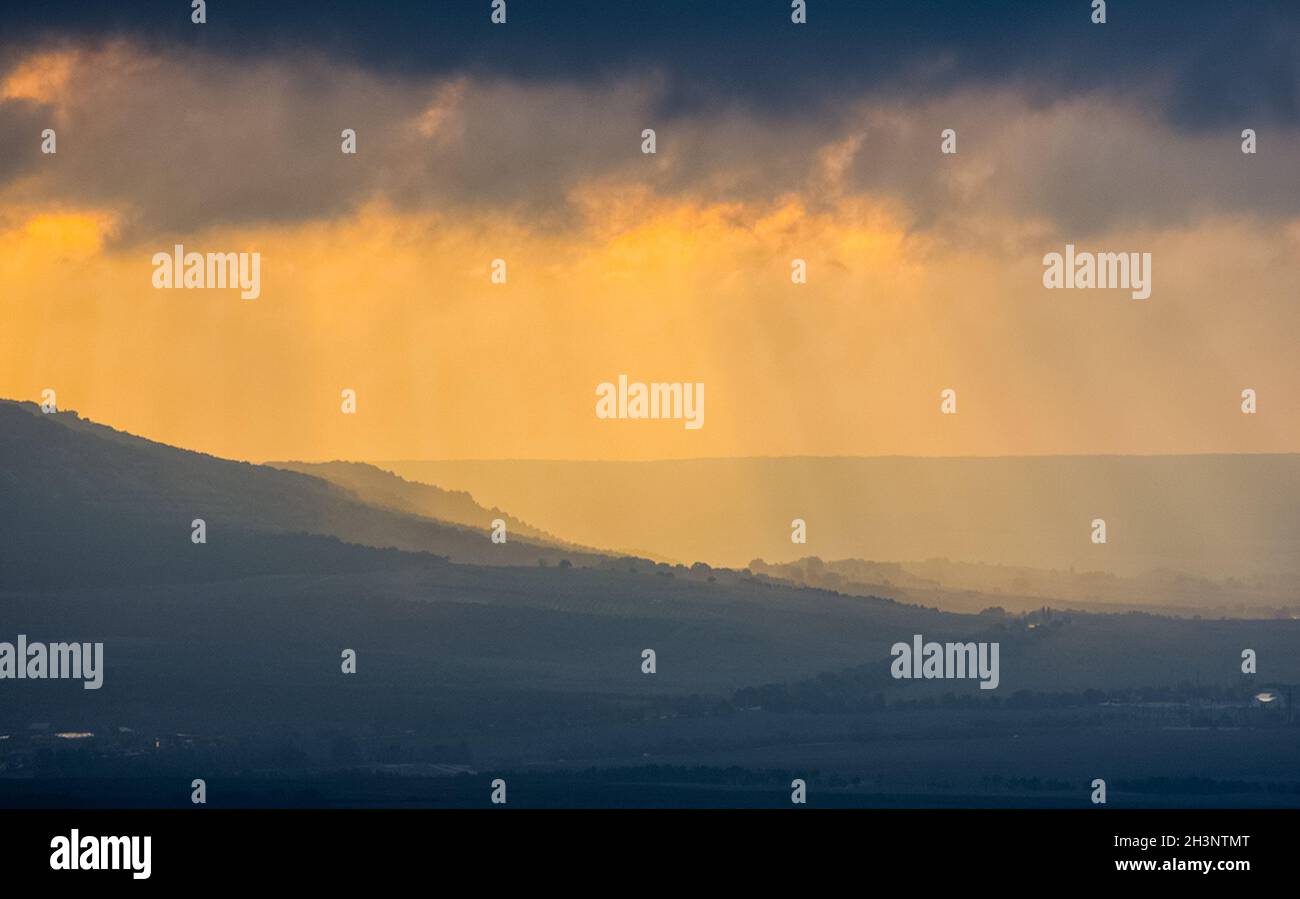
(178, 127)
(1209, 63)
(21, 123)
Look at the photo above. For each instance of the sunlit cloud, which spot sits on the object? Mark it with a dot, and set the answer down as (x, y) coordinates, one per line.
(924, 270)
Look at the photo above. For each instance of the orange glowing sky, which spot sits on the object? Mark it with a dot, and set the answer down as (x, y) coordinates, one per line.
(669, 268)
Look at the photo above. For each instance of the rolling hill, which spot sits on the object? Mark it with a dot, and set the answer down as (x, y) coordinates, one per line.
(83, 502)
(382, 488)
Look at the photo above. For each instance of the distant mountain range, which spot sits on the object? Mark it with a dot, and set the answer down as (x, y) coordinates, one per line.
(968, 587)
(1214, 516)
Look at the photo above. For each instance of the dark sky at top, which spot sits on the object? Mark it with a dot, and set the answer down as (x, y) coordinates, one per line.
(1204, 64)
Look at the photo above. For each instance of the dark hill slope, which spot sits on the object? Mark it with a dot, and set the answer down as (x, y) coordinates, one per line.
(81, 503)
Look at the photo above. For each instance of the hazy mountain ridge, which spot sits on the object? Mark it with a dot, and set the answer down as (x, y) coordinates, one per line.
(380, 487)
(1214, 516)
(971, 587)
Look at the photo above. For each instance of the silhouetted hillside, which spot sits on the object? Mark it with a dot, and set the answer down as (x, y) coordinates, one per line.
(81, 503)
(383, 488)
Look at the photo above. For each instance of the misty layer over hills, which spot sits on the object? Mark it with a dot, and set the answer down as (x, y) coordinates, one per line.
(966, 587)
(1216, 516)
